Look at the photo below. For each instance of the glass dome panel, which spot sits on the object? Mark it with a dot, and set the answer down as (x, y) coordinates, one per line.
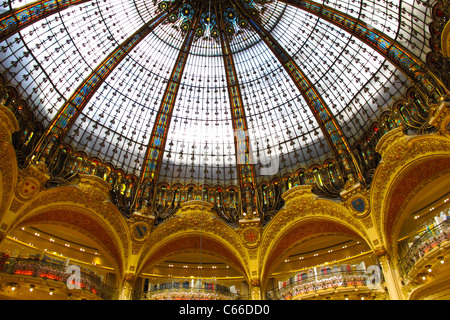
(119, 117)
(201, 133)
(49, 59)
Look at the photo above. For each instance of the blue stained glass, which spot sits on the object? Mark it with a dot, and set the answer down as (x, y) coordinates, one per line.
(23, 17)
(78, 100)
(160, 130)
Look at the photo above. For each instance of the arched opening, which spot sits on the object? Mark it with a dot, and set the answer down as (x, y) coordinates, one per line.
(421, 237)
(409, 192)
(320, 259)
(60, 255)
(192, 267)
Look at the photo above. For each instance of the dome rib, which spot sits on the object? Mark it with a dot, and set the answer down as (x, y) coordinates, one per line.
(406, 61)
(271, 24)
(155, 148)
(15, 20)
(246, 170)
(72, 108)
(327, 123)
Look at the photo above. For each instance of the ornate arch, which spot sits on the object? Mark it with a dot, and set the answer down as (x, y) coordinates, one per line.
(304, 215)
(8, 163)
(85, 207)
(302, 230)
(195, 218)
(407, 161)
(83, 222)
(193, 241)
(415, 179)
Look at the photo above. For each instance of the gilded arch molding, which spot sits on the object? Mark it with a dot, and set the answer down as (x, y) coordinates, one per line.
(445, 41)
(82, 222)
(8, 163)
(301, 231)
(89, 200)
(194, 241)
(403, 186)
(406, 162)
(195, 218)
(420, 176)
(301, 207)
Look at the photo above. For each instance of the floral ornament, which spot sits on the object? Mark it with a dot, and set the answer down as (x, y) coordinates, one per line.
(209, 26)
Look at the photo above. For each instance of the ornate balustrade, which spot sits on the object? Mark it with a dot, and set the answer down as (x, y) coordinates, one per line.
(187, 291)
(35, 267)
(315, 283)
(428, 240)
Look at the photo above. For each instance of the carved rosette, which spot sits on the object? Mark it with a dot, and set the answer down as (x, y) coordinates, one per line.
(31, 180)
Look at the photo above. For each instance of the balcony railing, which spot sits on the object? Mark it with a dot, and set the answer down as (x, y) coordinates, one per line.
(35, 267)
(428, 240)
(320, 282)
(188, 291)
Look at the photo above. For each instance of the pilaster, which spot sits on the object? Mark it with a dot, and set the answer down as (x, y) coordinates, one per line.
(250, 231)
(391, 275)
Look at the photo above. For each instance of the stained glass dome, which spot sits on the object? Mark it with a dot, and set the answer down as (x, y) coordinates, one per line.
(179, 90)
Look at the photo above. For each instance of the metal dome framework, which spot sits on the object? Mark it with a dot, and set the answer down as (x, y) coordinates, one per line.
(168, 96)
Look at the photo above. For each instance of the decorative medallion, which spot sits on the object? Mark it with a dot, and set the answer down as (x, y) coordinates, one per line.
(140, 231)
(230, 21)
(359, 205)
(251, 236)
(28, 188)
